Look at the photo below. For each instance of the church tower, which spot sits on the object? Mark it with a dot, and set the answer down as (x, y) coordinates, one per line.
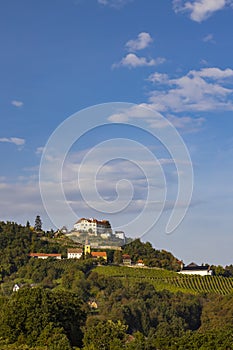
(87, 248)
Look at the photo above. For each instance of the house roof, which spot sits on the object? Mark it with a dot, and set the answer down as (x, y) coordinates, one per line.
(99, 254)
(74, 250)
(98, 222)
(193, 267)
(192, 264)
(43, 254)
(126, 256)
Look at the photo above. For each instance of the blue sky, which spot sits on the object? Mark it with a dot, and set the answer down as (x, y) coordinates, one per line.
(175, 57)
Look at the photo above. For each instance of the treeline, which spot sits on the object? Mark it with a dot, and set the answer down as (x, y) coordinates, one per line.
(16, 242)
(150, 256)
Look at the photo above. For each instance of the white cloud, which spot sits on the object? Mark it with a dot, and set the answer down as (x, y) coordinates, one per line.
(200, 10)
(143, 40)
(114, 3)
(15, 140)
(158, 78)
(25, 194)
(147, 112)
(215, 73)
(133, 61)
(186, 124)
(209, 38)
(40, 150)
(204, 90)
(17, 103)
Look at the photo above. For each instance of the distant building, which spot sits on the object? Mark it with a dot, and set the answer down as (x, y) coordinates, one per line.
(105, 235)
(16, 287)
(93, 227)
(97, 255)
(64, 230)
(44, 256)
(126, 259)
(120, 235)
(93, 304)
(194, 269)
(87, 248)
(74, 253)
(140, 263)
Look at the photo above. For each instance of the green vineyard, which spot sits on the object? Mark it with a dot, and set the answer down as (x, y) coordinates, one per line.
(172, 281)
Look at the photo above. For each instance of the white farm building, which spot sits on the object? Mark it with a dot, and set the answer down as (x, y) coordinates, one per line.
(194, 269)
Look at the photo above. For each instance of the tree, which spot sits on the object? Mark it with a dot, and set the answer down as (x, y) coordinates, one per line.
(54, 338)
(32, 313)
(38, 224)
(105, 335)
(117, 257)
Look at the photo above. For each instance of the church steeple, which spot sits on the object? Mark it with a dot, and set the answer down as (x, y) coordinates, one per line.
(87, 247)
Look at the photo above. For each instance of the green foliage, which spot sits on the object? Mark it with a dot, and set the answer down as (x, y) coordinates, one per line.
(16, 242)
(38, 224)
(53, 338)
(29, 313)
(117, 257)
(105, 335)
(151, 257)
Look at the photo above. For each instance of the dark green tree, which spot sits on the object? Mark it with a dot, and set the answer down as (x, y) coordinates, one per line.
(105, 335)
(32, 313)
(117, 257)
(38, 224)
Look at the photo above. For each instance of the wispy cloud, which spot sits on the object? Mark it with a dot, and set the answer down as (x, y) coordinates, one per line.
(200, 10)
(158, 78)
(204, 90)
(147, 112)
(17, 103)
(39, 150)
(186, 124)
(15, 140)
(114, 3)
(133, 61)
(209, 38)
(142, 41)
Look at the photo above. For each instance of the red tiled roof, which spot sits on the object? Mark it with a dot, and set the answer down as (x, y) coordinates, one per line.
(43, 254)
(99, 254)
(126, 256)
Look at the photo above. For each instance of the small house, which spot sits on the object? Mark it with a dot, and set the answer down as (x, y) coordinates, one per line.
(126, 259)
(16, 287)
(74, 253)
(140, 263)
(44, 256)
(97, 255)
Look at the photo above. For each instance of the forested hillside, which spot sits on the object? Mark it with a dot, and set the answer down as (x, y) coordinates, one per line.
(75, 304)
(17, 241)
(150, 256)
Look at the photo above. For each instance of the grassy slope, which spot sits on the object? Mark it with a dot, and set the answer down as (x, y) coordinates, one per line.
(172, 281)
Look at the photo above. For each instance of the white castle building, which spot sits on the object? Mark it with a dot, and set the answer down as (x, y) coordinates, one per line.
(94, 227)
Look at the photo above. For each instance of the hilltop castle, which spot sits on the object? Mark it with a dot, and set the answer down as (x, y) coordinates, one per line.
(94, 227)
